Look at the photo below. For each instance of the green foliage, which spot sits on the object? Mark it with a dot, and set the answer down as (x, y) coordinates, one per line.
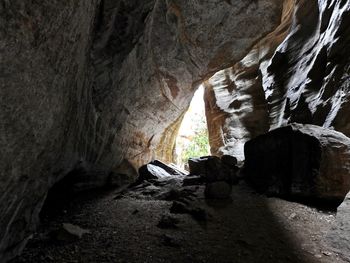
(198, 146)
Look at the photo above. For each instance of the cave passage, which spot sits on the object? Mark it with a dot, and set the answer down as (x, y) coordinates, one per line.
(192, 139)
(95, 111)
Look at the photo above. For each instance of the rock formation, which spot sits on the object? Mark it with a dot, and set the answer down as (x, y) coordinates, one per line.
(236, 107)
(102, 85)
(95, 84)
(298, 73)
(300, 161)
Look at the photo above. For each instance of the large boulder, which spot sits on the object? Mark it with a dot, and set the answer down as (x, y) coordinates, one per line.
(207, 166)
(213, 169)
(158, 170)
(300, 161)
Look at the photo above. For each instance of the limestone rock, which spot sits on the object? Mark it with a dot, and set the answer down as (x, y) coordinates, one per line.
(300, 160)
(297, 73)
(307, 80)
(235, 100)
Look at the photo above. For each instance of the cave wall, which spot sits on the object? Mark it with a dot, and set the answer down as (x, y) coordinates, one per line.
(151, 86)
(101, 85)
(98, 85)
(298, 73)
(44, 83)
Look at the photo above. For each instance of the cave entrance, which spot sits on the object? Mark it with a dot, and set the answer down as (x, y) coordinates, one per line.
(192, 139)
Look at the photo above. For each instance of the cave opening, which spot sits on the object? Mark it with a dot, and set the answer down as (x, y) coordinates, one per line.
(192, 138)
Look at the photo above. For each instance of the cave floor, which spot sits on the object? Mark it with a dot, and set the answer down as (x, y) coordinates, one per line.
(123, 228)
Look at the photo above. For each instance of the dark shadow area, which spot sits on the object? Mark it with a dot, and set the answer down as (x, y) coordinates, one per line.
(72, 188)
(283, 163)
(318, 203)
(241, 229)
(286, 163)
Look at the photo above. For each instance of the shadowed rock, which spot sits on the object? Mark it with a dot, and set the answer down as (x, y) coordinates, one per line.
(299, 160)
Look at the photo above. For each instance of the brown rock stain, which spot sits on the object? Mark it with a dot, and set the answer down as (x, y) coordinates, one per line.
(171, 82)
(176, 10)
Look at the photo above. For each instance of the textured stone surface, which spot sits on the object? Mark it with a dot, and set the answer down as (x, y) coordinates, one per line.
(298, 73)
(182, 43)
(308, 79)
(339, 236)
(101, 83)
(299, 160)
(236, 108)
(43, 103)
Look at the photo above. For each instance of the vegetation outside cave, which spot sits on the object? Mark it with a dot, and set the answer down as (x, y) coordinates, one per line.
(192, 139)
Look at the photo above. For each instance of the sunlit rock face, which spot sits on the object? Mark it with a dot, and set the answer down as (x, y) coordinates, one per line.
(299, 73)
(236, 106)
(102, 85)
(308, 79)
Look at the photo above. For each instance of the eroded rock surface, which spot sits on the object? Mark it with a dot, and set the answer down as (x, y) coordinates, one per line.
(45, 106)
(298, 73)
(101, 82)
(105, 84)
(300, 160)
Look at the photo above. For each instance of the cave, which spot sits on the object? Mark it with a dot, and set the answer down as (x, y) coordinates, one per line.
(93, 96)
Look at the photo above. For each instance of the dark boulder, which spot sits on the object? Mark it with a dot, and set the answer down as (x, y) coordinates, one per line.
(204, 165)
(229, 160)
(213, 169)
(299, 161)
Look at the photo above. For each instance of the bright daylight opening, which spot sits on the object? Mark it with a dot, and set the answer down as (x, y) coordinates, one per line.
(192, 139)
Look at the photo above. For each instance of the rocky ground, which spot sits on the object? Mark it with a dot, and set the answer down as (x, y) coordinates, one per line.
(162, 221)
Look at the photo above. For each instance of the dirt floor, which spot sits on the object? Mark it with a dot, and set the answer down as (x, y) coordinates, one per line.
(124, 227)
